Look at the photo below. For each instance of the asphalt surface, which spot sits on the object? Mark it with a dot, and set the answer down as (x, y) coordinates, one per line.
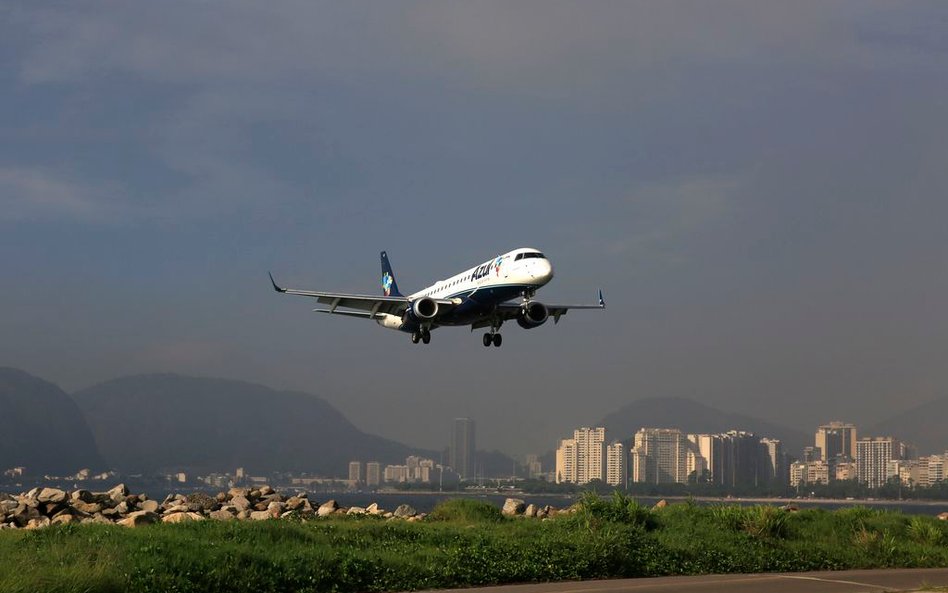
(846, 581)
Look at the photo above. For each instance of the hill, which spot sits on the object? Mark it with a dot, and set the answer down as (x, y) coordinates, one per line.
(41, 428)
(150, 423)
(694, 417)
(923, 426)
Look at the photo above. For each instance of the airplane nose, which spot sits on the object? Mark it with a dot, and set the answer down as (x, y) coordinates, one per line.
(545, 270)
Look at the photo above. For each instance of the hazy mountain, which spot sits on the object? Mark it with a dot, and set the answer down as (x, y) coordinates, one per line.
(149, 423)
(694, 417)
(923, 426)
(41, 428)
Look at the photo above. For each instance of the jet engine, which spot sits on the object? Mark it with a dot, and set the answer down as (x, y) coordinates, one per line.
(533, 314)
(424, 308)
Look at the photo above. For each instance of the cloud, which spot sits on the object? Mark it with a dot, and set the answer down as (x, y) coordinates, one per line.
(35, 193)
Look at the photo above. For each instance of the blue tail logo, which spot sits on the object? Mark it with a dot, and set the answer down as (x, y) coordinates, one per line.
(389, 286)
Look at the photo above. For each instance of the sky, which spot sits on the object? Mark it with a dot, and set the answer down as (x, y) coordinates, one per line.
(758, 188)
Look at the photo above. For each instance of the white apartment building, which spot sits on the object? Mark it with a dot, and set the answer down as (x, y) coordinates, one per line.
(660, 456)
(616, 464)
(582, 458)
(873, 455)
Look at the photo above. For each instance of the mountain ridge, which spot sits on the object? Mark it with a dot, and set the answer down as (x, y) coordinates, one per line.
(42, 428)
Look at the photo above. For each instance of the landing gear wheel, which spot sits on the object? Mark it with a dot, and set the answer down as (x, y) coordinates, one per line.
(426, 336)
(488, 338)
(498, 340)
(415, 337)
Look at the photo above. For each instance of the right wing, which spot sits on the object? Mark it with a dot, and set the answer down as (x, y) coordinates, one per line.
(374, 304)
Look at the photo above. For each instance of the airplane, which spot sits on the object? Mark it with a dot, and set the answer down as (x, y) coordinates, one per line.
(484, 296)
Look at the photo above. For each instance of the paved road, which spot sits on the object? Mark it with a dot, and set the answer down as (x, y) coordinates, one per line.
(847, 581)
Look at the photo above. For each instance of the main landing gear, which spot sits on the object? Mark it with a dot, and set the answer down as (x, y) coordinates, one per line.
(492, 338)
(422, 335)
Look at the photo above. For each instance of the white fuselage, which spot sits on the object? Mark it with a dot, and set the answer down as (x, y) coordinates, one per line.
(520, 269)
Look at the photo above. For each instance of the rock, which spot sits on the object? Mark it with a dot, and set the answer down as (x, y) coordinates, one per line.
(199, 501)
(373, 509)
(139, 518)
(943, 516)
(276, 509)
(149, 505)
(404, 511)
(221, 515)
(122, 508)
(235, 492)
(89, 508)
(327, 508)
(244, 514)
(83, 495)
(132, 500)
(63, 519)
(240, 502)
(182, 517)
(51, 495)
(119, 493)
(266, 491)
(531, 510)
(260, 515)
(289, 515)
(295, 503)
(222, 497)
(513, 506)
(178, 508)
(387, 515)
(23, 514)
(355, 511)
(660, 505)
(38, 523)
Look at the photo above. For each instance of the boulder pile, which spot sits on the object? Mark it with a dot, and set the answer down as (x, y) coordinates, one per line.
(42, 507)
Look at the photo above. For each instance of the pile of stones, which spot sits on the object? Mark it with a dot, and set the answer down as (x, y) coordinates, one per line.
(42, 507)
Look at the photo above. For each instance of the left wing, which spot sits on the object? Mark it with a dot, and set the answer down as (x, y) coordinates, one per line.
(374, 304)
(512, 310)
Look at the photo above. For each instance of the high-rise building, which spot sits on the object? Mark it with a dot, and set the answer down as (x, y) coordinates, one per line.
(590, 454)
(742, 452)
(664, 452)
(355, 471)
(616, 464)
(373, 473)
(873, 455)
(936, 469)
(836, 439)
(462, 449)
(772, 470)
(566, 461)
(582, 458)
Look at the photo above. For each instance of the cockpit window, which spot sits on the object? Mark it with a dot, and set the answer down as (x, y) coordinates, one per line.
(529, 255)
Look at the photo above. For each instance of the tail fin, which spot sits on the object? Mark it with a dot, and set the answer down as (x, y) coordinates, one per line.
(389, 286)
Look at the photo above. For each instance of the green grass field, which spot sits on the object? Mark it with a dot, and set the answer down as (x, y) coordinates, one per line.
(463, 543)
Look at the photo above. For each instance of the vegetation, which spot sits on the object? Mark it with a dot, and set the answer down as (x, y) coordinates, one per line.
(463, 543)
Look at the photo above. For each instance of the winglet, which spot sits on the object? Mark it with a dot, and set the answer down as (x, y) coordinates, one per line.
(275, 287)
(602, 303)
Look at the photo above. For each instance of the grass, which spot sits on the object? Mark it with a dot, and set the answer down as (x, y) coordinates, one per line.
(463, 543)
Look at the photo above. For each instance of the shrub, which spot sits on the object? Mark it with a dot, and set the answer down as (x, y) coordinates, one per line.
(465, 510)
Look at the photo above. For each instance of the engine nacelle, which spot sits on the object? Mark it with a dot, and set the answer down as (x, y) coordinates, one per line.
(424, 308)
(391, 321)
(533, 314)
